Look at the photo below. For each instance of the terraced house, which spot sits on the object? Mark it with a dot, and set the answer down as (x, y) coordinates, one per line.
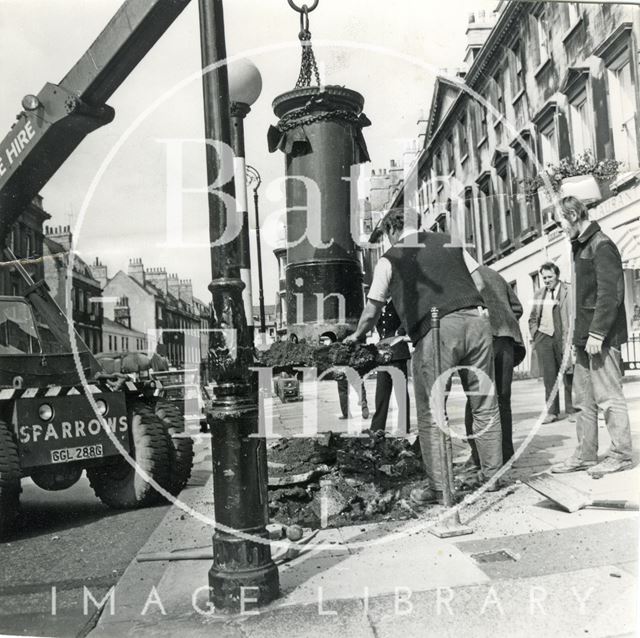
(541, 82)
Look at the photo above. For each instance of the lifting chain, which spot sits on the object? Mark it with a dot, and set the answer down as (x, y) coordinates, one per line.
(304, 115)
(308, 64)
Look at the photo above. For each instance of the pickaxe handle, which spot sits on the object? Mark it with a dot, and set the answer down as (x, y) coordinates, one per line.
(616, 505)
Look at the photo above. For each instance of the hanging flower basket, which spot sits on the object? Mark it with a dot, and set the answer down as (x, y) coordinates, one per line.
(600, 172)
(584, 187)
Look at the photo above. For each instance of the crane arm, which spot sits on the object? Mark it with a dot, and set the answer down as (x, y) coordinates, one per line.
(52, 125)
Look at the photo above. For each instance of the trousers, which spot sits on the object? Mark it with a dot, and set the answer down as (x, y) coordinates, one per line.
(503, 358)
(598, 384)
(343, 396)
(549, 351)
(384, 387)
(465, 340)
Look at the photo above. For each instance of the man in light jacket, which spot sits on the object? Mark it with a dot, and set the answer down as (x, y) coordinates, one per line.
(550, 328)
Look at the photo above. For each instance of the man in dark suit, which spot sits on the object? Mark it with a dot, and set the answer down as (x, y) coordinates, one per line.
(550, 329)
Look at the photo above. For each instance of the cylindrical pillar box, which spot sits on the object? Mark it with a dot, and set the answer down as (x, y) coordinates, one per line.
(320, 132)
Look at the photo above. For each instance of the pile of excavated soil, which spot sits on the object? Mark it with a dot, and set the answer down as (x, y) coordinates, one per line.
(285, 356)
(336, 480)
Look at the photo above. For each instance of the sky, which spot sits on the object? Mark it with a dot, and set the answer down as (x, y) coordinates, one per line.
(113, 189)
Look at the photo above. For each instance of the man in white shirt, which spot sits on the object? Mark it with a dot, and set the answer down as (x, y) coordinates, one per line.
(550, 325)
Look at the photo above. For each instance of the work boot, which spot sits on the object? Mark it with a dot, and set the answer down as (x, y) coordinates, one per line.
(609, 465)
(468, 464)
(572, 464)
(494, 485)
(425, 496)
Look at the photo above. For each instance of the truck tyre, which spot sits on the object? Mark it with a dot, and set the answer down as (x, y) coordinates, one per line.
(9, 481)
(119, 485)
(180, 447)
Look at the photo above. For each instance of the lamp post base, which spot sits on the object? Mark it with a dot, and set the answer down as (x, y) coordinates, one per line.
(243, 575)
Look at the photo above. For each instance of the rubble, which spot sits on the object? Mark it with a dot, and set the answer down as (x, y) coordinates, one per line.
(338, 480)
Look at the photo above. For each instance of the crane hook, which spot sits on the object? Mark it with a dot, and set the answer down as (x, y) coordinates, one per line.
(304, 7)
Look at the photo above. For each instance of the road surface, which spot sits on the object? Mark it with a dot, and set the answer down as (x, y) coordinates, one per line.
(66, 541)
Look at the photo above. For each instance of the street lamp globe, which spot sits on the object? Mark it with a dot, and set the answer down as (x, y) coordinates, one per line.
(245, 82)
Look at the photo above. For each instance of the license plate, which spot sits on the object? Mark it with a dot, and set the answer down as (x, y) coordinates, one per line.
(67, 454)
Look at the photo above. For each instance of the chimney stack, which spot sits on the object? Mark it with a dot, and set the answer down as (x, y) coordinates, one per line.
(136, 270)
(478, 29)
(186, 291)
(174, 285)
(122, 312)
(99, 272)
(158, 277)
(61, 235)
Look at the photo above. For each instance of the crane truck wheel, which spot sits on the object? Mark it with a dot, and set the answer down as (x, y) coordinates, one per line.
(180, 447)
(121, 486)
(9, 481)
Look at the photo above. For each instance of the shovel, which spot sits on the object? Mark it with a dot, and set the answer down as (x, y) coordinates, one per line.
(571, 498)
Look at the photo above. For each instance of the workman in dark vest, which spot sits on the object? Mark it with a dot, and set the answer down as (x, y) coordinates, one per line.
(423, 270)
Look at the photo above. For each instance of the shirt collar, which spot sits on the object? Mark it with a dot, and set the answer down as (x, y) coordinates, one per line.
(588, 232)
(406, 232)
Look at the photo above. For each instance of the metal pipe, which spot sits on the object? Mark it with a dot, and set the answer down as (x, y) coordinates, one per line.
(241, 562)
(238, 112)
(255, 176)
(451, 524)
(443, 444)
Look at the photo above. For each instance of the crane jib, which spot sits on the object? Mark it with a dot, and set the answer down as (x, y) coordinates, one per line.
(57, 121)
(14, 146)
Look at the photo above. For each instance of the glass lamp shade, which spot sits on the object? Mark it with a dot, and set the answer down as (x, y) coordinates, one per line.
(245, 82)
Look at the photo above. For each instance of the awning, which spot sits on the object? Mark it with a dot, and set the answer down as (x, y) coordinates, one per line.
(627, 239)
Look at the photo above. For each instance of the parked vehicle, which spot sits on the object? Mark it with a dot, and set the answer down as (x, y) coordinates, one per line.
(287, 388)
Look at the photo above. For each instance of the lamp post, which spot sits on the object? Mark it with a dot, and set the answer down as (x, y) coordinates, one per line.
(242, 566)
(245, 85)
(253, 177)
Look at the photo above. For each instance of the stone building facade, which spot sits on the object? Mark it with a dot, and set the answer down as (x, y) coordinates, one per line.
(86, 302)
(542, 81)
(117, 337)
(26, 241)
(159, 305)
